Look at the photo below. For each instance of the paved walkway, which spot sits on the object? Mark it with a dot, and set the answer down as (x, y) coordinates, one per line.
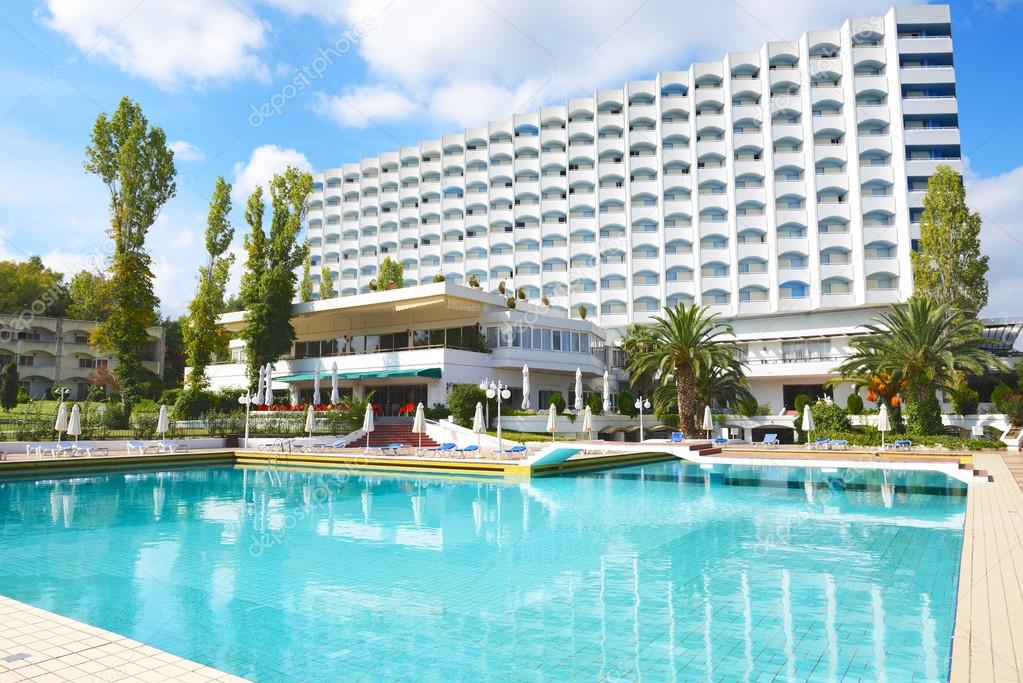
(43, 647)
(988, 638)
(1014, 461)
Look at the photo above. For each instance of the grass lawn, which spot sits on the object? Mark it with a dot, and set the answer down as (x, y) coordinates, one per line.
(534, 436)
(35, 407)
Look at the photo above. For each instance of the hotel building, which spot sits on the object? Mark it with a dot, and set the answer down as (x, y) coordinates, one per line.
(782, 188)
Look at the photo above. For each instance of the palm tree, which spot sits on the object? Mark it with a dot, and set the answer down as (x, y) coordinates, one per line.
(682, 345)
(921, 346)
(720, 384)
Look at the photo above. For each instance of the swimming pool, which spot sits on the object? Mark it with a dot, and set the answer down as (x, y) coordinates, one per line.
(660, 572)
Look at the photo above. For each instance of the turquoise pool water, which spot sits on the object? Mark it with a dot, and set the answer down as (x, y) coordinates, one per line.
(659, 573)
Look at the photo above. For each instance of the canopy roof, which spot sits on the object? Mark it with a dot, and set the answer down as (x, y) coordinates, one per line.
(374, 374)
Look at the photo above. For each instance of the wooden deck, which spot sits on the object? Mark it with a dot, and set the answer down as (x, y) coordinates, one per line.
(988, 638)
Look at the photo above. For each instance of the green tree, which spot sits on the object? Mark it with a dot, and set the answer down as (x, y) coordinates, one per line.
(462, 400)
(203, 337)
(90, 295)
(9, 386)
(173, 353)
(270, 279)
(949, 267)
(687, 340)
(133, 161)
(305, 288)
(392, 275)
(30, 286)
(326, 284)
(923, 345)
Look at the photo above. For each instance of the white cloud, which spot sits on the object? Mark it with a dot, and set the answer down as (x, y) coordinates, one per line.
(494, 59)
(185, 42)
(186, 151)
(1000, 205)
(360, 107)
(263, 163)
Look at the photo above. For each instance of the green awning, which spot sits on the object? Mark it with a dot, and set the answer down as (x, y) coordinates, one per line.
(376, 374)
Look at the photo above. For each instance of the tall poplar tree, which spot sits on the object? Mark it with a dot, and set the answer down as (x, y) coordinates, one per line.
(133, 161)
(203, 337)
(949, 268)
(305, 289)
(326, 284)
(270, 280)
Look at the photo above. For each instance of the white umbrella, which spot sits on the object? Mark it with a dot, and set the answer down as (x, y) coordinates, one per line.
(419, 424)
(316, 389)
(269, 384)
(478, 425)
(61, 424)
(587, 421)
(606, 394)
(74, 426)
(884, 422)
(708, 420)
(162, 423)
(578, 389)
(159, 496)
(310, 421)
(260, 388)
(367, 423)
(525, 387)
(335, 398)
(808, 425)
(552, 421)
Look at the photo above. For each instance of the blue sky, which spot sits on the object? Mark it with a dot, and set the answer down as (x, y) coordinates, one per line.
(377, 75)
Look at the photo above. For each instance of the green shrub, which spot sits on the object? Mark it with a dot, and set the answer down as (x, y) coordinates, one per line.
(854, 404)
(462, 400)
(870, 437)
(22, 396)
(224, 425)
(96, 394)
(802, 400)
(226, 400)
(965, 400)
(596, 404)
(626, 403)
(510, 302)
(829, 417)
(559, 403)
(439, 411)
(748, 407)
(114, 417)
(923, 416)
(146, 405)
(193, 403)
(143, 424)
(170, 396)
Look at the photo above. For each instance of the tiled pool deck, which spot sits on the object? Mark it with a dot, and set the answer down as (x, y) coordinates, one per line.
(36, 645)
(40, 646)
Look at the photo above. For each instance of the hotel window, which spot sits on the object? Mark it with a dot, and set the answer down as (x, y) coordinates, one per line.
(801, 351)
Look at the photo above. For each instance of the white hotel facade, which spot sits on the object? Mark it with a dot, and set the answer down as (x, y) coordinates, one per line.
(782, 188)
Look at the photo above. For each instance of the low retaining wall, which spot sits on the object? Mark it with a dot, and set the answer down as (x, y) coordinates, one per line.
(115, 445)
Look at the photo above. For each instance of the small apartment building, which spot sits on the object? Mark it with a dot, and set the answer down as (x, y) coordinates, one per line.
(56, 352)
(411, 345)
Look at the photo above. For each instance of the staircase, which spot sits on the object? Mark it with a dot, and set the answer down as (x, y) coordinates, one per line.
(392, 430)
(704, 449)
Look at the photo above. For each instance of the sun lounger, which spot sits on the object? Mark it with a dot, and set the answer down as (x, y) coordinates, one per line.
(393, 448)
(902, 445)
(89, 449)
(720, 441)
(820, 444)
(468, 449)
(769, 440)
(677, 437)
(839, 445)
(514, 449)
(443, 448)
(142, 448)
(54, 449)
(172, 447)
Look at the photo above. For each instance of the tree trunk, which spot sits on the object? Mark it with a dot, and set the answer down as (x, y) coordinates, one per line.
(686, 397)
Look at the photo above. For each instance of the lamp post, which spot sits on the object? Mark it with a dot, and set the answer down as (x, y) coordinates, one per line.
(485, 385)
(641, 403)
(498, 390)
(247, 401)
